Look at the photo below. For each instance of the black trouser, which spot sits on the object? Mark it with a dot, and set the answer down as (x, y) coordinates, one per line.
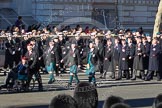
(10, 78)
(115, 69)
(100, 67)
(62, 69)
(57, 70)
(37, 76)
(135, 73)
(130, 65)
(126, 72)
(150, 75)
(8, 63)
(17, 58)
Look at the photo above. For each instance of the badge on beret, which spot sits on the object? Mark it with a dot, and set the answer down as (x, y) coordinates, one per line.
(31, 58)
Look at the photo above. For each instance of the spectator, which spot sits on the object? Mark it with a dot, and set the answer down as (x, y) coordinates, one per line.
(19, 22)
(157, 100)
(159, 105)
(120, 105)
(86, 95)
(111, 100)
(63, 101)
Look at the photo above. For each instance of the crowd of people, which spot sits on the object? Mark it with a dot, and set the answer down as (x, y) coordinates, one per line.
(120, 52)
(85, 96)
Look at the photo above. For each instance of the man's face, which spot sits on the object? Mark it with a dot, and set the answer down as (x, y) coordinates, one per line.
(9, 38)
(154, 41)
(108, 36)
(60, 38)
(144, 40)
(29, 47)
(91, 45)
(148, 38)
(129, 40)
(32, 42)
(25, 38)
(23, 61)
(51, 43)
(116, 41)
(123, 42)
(109, 42)
(93, 36)
(56, 40)
(72, 46)
(138, 40)
(158, 36)
(77, 37)
(96, 40)
(138, 34)
(134, 33)
(44, 37)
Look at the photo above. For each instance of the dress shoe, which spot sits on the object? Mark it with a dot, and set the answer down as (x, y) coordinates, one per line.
(112, 77)
(118, 79)
(133, 78)
(146, 79)
(40, 88)
(158, 79)
(69, 85)
(3, 86)
(51, 81)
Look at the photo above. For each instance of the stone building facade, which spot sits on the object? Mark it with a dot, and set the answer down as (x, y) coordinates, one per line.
(110, 13)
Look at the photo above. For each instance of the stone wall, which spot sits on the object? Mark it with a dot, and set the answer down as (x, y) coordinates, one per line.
(135, 13)
(131, 13)
(23, 7)
(61, 10)
(5, 3)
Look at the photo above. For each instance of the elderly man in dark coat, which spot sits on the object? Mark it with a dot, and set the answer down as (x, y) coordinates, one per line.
(33, 66)
(123, 61)
(116, 55)
(73, 61)
(108, 58)
(154, 60)
(51, 58)
(138, 59)
(146, 53)
(91, 63)
(131, 47)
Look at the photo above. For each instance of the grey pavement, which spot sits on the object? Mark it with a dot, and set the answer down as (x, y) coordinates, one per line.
(136, 93)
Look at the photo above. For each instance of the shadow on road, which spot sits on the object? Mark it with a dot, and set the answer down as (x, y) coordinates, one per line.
(143, 102)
